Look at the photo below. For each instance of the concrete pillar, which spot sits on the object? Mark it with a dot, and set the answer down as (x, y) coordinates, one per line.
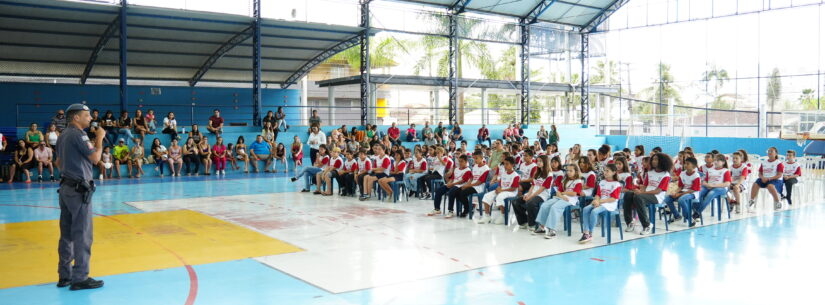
(670, 111)
(304, 101)
(436, 95)
(331, 104)
(484, 112)
(374, 104)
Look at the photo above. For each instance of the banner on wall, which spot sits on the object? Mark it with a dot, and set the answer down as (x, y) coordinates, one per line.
(381, 103)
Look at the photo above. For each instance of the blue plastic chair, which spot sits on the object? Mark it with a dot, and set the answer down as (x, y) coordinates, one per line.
(480, 197)
(379, 192)
(507, 210)
(653, 209)
(435, 185)
(399, 189)
(606, 217)
(718, 203)
(568, 216)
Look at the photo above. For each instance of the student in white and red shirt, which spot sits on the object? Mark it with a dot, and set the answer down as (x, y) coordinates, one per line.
(552, 209)
(652, 191)
(325, 176)
(480, 172)
(396, 174)
(415, 169)
(703, 169)
(507, 187)
(623, 172)
(527, 206)
(380, 169)
(770, 177)
(791, 171)
(607, 200)
(715, 185)
(346, 175)
(527, 170)
(588, 176)
(739, 172)
(689, 183)
(440, 167)
(461, 175)
(364, 168)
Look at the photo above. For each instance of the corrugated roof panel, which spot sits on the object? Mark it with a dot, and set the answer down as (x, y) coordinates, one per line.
(513, 8)
(36, 68)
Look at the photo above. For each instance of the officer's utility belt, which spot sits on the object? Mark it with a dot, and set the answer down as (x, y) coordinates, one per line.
(80, 186)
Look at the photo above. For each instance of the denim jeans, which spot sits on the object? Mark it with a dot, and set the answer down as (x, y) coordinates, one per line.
(550, 212)
(411, 181)
(308, 174)
(707, 195)
(127, 132)
(684, 202)
(590, 216)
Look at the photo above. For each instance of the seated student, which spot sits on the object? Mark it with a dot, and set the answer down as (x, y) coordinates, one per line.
(526, 207)
(623, 172)
(440, 167)
(739, 172)
(416, 169)
(161, 156)
(678, 164)
(219, 156)
(206, 155)
(715, 185)
(394, 134)
(346, 175)
(280, 156)
(411, 137)
(215, 124)
(382, 168)
(508, 187)
(484, 135)
(607, 200)
(137, 158)
(689, 183)
(364, 168)
(105, 164)
(330, 171)
(460, 176)
(567, 194)
(241, 155)
(652, 191)
(321, 160)
(260, 150)
(190, 153)
(43, 155)
(121, 155)
(588, 177)
(175, 158)
(480, 172)
(703, 169)
(770, 177)
(396, 174)
(527, 170)
(791, 171)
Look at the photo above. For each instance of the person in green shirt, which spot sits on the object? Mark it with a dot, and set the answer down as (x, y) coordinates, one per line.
(497, 154)
(121, 155)
(438, 131)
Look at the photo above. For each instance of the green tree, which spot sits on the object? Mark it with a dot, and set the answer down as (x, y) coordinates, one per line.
(382, 54)
(809, 101)
(662, 90)
(774, 90)
(607, 72)
(717, 77)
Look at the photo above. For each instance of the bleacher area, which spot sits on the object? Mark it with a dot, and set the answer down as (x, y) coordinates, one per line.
(569, 134)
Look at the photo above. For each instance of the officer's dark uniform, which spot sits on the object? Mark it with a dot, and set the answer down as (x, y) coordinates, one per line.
(76, 188)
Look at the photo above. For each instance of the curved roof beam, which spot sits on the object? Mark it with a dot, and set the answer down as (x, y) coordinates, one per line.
(537, 11)
(459, 6)
(597, 20)
(225, 47)
(101, 43)
(320, 58)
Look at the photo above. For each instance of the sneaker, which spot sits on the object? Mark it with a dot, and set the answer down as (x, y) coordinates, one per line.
(751, 205)
(630, 228)
(434, 212)
(304, 191)
(499, 220)
(522, 227)
(463, 215)
(89, 283)
(550, 234)
(449, 214)
(100, 177)
(484, 219)
(293, 179)
(674, 219)
(39, 178)
(777, 205)
(586, 238)
(539, 230)
(738, 209)
(646, 231)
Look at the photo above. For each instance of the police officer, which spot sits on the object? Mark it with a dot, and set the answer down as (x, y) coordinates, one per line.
(76, 188)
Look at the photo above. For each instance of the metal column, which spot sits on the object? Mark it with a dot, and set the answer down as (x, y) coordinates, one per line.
(585, 85)
(452, 76)
(484, 111)
(331, 102)
(124, 94)
(525, 73)
(256, 64)
(365, 60)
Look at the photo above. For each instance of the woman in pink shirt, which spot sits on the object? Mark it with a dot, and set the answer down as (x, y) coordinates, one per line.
(219, 156)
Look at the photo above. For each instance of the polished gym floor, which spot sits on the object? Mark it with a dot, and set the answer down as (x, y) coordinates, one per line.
(252, 239)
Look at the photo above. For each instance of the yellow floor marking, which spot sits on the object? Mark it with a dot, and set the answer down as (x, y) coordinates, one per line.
(130, 243)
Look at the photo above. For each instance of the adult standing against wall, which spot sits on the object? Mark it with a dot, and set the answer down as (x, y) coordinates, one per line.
(553, 136)
(76, 189)
(542, 135)
(316, 138)
(59, 120)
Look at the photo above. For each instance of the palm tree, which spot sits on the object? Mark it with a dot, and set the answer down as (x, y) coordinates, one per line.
(662, 91)
(606, 73)
(470, 53)
(719, 77)
(382, 54)
(808, 100)
(774, 90)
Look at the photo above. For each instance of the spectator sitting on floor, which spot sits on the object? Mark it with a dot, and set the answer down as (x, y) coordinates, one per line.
(270, 117)
(215, 124)
(33, 136)
(438, 131)
(484, 135)
(260, 150)
(429, 139)
(121, 156)
(59, 120)
(139, 124)
(170, 126)
(395, 134)
(456, 133)
(151, 123)
(43, 154)
(411, 137)
(426, 130)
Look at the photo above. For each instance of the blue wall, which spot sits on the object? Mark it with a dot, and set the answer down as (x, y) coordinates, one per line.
(24, 103)
(705, 144)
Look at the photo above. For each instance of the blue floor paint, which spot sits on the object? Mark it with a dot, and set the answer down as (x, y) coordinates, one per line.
(768, 259)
